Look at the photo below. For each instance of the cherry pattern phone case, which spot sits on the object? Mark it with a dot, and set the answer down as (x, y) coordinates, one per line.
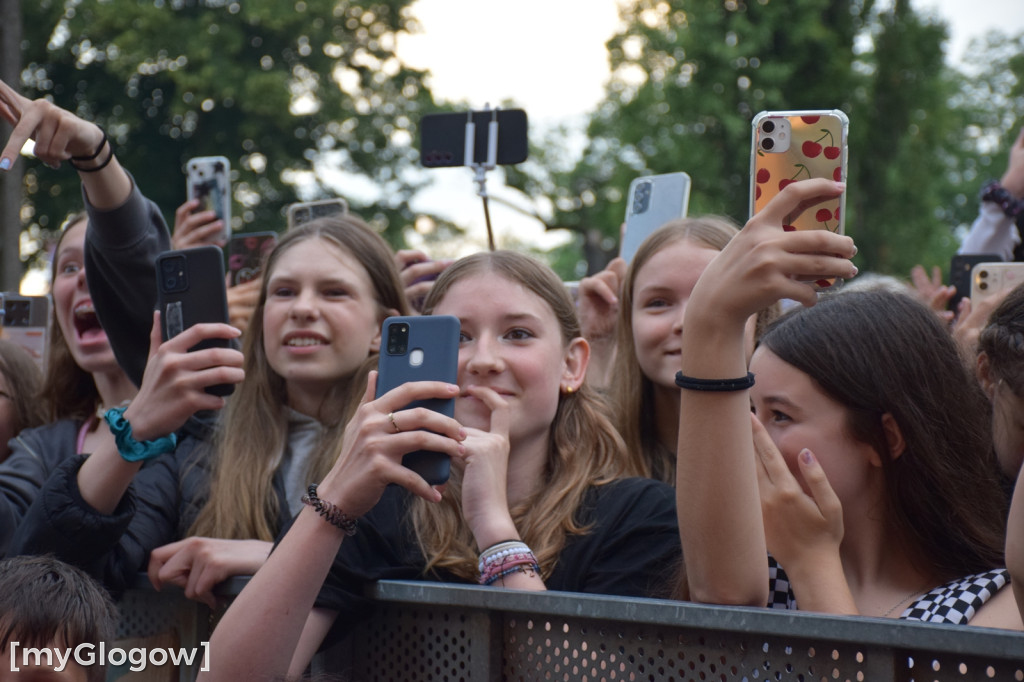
(798, 145)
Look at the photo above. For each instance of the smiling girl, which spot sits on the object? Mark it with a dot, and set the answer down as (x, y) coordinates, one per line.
(535, 502)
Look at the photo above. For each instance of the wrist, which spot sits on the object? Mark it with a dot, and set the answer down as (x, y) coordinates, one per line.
(1010, 203)
(130, 447)
(495, 532)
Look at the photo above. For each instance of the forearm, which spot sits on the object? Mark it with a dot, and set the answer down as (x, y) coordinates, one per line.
(264, 627)
(819, 585)
(105, 477)
(720, 524)
(991, 232)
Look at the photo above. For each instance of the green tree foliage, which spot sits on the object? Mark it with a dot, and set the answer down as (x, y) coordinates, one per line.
(689, 75)
(288, 91)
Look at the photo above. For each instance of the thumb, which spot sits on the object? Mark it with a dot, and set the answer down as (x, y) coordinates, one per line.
(155, 334)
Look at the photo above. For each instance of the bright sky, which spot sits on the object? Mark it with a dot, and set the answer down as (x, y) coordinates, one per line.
(549, 57)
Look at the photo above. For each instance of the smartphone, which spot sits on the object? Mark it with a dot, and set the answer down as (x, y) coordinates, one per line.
(653, 201)
(989, 279)
(191, 289)
(960, 267)
(208, 179)
(421, 349)
(305, 211)
(25, 320)
(788, 146)
(443, 137)
(247, 253)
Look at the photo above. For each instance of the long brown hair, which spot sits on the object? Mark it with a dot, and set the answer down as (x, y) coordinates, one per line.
(68, 391)
(584, 448)
(633, 397)
(23, 380)
(878, 353)
(251, 437)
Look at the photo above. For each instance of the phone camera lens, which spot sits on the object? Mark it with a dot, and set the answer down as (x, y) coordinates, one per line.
(983, 285)
(170, 283)
(768, 144)
(768, 127)
(983, 273)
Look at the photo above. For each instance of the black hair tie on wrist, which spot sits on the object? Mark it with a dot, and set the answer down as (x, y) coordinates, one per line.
(716, 385)
(96, 153)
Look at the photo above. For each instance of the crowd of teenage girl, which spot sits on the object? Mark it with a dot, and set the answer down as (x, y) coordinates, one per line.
(670, 434)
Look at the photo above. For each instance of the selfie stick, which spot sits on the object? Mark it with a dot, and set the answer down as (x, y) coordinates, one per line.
(480, 169)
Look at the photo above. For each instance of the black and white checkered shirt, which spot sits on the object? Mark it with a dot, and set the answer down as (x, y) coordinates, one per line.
(955, 602)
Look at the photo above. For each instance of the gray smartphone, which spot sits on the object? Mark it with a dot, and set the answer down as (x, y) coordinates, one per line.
(191, 289)
(25, 320)
(421, 348)
(208, 179)
(653, 201)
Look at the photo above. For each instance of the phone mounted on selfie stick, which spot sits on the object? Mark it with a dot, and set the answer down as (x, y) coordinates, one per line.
(459, 139)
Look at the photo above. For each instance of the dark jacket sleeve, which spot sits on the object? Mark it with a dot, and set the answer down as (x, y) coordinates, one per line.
(121, 247)
(35, 454)
(114, 548)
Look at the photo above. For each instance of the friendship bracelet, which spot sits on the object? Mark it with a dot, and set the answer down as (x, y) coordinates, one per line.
(718, 385)
(995, 193)
(110, 157)
(96, 153)
(498, 552)
(524, 568)
(329, 511)
(505, 565)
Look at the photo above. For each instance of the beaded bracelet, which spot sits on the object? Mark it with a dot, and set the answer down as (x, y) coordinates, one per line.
(329, 511)
(527, 568)
(694, 384)
(500, 550)
(997, 194)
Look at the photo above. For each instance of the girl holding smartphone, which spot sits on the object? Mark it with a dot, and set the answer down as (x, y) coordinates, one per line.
(536, 501)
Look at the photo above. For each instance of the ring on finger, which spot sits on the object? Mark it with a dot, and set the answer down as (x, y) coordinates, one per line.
(391, 418)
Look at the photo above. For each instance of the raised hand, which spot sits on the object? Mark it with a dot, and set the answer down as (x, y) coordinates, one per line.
(377, 437)
(196, 229)
(58, 134)
(175, 381)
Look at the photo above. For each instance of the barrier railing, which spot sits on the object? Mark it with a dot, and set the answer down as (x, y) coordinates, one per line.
(428, 631)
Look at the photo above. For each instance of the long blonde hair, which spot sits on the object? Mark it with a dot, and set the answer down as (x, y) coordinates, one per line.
(584, 448)
(251, 436)
(633, 396)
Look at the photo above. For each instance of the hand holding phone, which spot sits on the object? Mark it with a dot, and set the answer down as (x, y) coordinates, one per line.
(421, 349)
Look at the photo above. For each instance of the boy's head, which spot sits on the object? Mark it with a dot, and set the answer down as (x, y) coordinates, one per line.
(45, 603)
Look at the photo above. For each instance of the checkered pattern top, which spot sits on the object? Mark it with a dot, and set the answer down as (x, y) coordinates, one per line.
(955, 602)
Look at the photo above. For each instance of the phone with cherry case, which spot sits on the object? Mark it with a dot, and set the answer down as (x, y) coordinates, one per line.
(788, 146)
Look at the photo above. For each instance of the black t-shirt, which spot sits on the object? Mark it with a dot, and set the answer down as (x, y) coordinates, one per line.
(632, 549)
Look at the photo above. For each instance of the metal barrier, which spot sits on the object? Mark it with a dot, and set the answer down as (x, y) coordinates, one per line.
(462, 633)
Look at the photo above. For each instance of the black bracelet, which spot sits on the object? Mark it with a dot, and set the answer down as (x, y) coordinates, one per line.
(95, 153)
(331, 513)
(110, 157)
(997, 194)
(694, 384)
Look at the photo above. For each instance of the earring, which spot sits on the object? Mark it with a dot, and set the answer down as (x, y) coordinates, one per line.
(569, 390)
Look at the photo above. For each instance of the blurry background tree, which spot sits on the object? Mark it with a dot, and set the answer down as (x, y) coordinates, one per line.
(688, 77)
(289, 92)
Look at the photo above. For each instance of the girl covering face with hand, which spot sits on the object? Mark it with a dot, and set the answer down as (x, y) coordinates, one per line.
(535, 501)
(841, 474)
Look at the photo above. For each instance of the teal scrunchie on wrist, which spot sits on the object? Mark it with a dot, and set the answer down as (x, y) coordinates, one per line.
(130, 449)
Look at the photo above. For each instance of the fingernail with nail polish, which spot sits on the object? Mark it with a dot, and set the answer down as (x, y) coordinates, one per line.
(5, 164)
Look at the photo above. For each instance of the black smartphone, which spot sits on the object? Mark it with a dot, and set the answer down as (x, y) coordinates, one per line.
(247, 253)
(960, 267)
(191, 289)
(443, 137)
(421, 349)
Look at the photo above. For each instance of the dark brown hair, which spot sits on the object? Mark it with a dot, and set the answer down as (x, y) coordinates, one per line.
(44, 601)
(1002, 340)
(882, 353)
